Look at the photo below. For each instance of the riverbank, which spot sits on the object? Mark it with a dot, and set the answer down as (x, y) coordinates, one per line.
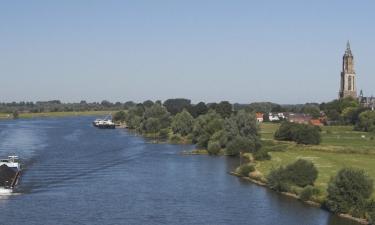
(56, 114)
(294, 196)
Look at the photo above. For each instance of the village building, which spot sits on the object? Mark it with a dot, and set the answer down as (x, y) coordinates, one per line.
(259, 117)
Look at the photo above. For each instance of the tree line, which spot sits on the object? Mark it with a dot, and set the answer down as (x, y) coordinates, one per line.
(215, 127)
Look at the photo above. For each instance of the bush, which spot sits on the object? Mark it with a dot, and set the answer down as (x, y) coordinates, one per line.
(302, 173)
(371, 212)
(277, 181)
(300, 133)
(245, 169)
(175, 139)
(307, 192)
(349, 191)
(213, 148)
(261, 155)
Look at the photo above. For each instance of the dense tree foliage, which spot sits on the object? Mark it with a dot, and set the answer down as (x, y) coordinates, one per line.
(176, 105)
(300, 133)
(182, 123)
(120, 116)
(349, 192)
(198, 109)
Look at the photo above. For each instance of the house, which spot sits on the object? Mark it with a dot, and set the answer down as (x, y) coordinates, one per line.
(259, 117)
(273, 117)
(299, 118)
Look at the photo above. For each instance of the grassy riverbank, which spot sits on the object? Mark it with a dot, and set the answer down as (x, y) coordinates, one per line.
(55, 114)
(340, 147)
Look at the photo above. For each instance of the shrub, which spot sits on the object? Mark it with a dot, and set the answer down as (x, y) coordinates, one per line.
(213, 148)
(307, 192)
(277, 181)
(302, 172)
(175, 138)
(245, 169)
(348, 191)
(300, 133)
(371, 212)
(261, 155)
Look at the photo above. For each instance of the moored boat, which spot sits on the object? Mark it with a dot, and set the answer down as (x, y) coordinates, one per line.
(105, 123)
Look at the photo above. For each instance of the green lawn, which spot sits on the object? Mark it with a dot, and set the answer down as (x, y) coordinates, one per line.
(334, 138)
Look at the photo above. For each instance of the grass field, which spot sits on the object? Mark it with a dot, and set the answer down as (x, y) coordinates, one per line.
(56, 114)
(340, 147)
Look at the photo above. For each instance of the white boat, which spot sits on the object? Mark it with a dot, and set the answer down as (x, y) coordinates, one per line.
(105, 123)
(10, 172)
(12, 162)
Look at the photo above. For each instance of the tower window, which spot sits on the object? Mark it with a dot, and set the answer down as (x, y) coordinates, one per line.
(349, 83)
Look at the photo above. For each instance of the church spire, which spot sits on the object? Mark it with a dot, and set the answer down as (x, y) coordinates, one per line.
(348, 50)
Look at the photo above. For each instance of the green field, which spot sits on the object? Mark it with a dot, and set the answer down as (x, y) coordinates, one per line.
(340, 147)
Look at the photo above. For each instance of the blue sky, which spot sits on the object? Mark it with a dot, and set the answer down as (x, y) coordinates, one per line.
(241, 51)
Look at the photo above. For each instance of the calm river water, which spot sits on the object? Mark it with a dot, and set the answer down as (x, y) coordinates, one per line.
(77, 174)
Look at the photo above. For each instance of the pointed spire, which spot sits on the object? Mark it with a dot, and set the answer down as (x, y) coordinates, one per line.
(348, 51)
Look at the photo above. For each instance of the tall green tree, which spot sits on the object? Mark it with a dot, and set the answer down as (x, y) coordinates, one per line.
(182, 123)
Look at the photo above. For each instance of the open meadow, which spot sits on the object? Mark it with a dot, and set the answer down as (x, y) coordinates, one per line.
(340, 147)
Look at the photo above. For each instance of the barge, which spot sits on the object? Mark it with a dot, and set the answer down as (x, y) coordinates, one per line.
(10, 172)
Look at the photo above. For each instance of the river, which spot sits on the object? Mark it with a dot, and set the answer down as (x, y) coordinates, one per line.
(77, 174)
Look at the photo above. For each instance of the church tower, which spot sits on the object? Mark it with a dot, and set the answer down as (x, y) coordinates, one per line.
(347, 86)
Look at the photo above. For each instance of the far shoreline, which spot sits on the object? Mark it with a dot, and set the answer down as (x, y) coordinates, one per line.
(8, 116)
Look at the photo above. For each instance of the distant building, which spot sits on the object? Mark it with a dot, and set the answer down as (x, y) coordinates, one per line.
(299, 118)
(367, 102)
(259, 117)
(348, 83)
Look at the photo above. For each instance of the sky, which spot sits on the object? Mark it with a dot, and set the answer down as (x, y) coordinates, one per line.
(286, 52)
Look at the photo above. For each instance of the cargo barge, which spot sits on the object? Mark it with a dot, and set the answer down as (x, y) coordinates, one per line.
(10, 172)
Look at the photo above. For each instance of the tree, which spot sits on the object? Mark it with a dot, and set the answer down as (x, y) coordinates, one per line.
(213, 147)
(182, 123)
(300, 133)
(302, 172)
(198, 109)
(205, 126)
(349, 191)
(148, 103)
(307, 134)
(119, 116)
(239, 144)
(15, 115)
(152, 125)
(224, 108)
(366, 121)
(176, 105)
(311, 109)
